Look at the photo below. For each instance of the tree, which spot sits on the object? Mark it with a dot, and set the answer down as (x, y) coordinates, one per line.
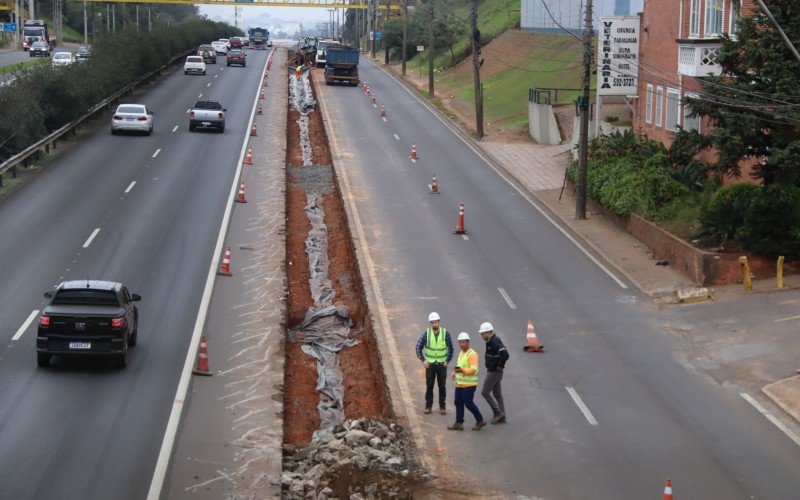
(754, 105)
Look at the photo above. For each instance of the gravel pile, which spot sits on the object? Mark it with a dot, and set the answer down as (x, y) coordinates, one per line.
(359, 459)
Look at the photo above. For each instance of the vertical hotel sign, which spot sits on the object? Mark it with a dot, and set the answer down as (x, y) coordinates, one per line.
(618, 59)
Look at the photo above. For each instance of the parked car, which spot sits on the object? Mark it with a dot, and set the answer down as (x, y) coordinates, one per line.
(207, 52)
(132, 118)
(83, 54)
(236, 56)
(236, 43)
(88, 318)
(207, 114)
(39, 48)
(194, 64)
(220, 47)
(63, 59)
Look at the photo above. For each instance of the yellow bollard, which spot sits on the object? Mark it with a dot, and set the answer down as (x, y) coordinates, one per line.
(748, 283)
(780, 272)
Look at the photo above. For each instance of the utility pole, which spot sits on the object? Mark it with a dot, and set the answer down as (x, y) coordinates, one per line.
(476, 71)
(137, 17)
(108, 18)
(113, 18)
(373, 45)
(430, 46)
(149, 22)
(30, 10)
(85, 25)
(583, 156)
(19, 22)
(405, 35)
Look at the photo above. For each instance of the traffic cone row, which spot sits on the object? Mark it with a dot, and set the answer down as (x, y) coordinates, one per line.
(253, 131)
(225, 268)
(533, 344)
(413, 154)
(240, 198)
(373, 98)
(202, 367)
(261, 94)
(460, 229)
(260, 110)
(434, 185)
(248, 158)
(383, 111)
(667, 489)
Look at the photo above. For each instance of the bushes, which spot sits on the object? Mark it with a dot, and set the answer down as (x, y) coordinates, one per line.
(723, 216)
(43, 98)
(772, 224)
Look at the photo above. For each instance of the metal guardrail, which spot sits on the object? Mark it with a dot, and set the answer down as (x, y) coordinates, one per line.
(50, 140)
(548, 95)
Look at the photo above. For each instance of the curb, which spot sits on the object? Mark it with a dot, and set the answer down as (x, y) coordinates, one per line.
(766, 390)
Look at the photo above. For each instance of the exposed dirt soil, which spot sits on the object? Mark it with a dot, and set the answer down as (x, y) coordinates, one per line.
(364, 382)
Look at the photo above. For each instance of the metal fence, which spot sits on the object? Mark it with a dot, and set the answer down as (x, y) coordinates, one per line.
(549, 95)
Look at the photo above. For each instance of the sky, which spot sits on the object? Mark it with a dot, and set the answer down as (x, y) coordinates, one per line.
(285, 18)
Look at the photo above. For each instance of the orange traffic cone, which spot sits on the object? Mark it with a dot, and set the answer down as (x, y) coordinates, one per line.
(460, 224)
(373, 98)
(225, 269)
(261, 94)
(202, 367)
(434, 185)
(668, 489)
(248, 158)
(260, 110)
(383, 110)
(413, 154)
(253, 131)
(240, 198)
(533, 341)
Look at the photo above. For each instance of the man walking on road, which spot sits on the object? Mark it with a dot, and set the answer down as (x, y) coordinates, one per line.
(435, 350)
(495, 358)
(466, 375)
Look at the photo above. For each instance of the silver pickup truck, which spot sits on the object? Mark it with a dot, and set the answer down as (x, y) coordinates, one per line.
(207, 114)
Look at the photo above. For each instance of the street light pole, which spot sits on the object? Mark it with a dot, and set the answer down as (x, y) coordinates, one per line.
(85, 25)
(405, 35)
(583, 155)
(430, 46)
(476, 71)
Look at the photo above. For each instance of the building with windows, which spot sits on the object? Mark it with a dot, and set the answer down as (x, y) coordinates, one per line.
(678, 46)
(534, 15)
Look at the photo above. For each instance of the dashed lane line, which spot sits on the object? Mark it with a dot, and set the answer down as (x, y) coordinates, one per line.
(466, 238)
(507, 298)
(92, 237)
(209, 84)
(130, 186)
(772, 418)
(201, 95)
(584, 409)
(156, 153)
(175, 129)
(397, 137)
(25, 325)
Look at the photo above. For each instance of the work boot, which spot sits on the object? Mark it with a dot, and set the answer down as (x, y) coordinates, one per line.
(499, 418)
(427, 410)
(457, 427)
(443, 411)
(479, 425)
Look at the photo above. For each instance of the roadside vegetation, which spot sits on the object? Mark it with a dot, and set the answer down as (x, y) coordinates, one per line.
(13, 68)
(43, 98)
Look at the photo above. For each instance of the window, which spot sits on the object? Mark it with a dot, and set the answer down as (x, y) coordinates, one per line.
(648, 112)
(714, 9)
(736, 13)
(694, 18)
(659, 105)
(673, 109)
(690, 123)
(86, 296)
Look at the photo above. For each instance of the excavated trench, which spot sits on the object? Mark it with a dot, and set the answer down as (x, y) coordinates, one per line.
(331, 352)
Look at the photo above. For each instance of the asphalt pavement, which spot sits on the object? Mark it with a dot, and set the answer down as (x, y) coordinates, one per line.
(11, 56)
(85, 429)
(611, 409)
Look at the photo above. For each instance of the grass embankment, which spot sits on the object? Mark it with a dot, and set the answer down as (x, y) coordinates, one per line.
(13, 68)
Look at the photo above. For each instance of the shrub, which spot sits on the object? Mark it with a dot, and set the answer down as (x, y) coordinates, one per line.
(722, 218)
(772, 224)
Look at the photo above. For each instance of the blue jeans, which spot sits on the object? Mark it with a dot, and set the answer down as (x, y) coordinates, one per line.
(464, 398)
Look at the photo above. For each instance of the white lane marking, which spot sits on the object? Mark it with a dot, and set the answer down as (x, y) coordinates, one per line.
(174, 129)
(425, 298)
(209, 84)
(507, 298)
(25, 325)
(222, 69)
(216, 76)
(781, 320)
(780, 425)
(397, 137)
(413, 160)
(160, 471)
(89, 241)
(384, 118)
(578, 401)
(513, 185)
(374, 105)
(130, 186)
(188, 111)
(466, 238)
(156, 153)
(201, 95)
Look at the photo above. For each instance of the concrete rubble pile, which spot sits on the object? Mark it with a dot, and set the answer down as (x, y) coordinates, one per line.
(368, 454)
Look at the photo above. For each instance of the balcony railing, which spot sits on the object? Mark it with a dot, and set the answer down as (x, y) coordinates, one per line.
(699, 57)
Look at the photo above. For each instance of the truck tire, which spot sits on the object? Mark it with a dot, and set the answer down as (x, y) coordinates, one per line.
(185, 72)
(204, 72)
(222, 129)
(191, 128)
(43, 359)
(133, 338)
(121, 361)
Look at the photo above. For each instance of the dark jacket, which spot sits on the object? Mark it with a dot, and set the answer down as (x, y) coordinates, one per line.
(496, 353)
(424, 339)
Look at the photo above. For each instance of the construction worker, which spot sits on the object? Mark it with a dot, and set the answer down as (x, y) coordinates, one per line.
(495, 359)
(466, 376)
(435, 350)
(298, 72)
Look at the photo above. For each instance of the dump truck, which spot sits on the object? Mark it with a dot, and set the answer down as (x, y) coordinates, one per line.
(341, 64)
(258, 38)
(35, 30)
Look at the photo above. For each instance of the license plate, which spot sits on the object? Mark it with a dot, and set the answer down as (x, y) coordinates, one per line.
(80, 345)
(206, 124)
(130, 119)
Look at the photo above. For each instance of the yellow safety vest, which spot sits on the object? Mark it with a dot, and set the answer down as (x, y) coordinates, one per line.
(463, 380)
(436, 346)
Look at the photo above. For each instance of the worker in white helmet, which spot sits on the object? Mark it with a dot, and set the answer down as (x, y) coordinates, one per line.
(435, 350)
(495, 359)
(466, 376)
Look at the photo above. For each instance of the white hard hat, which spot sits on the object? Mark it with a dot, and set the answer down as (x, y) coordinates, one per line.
(434, 316)
(463, 336)
(486, 327)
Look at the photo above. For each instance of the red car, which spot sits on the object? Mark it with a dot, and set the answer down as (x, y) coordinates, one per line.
(236, 42)
(237, 56)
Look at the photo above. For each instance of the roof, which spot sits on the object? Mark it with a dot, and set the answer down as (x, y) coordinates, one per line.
(92, 284)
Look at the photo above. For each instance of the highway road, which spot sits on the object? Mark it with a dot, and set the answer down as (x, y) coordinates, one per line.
(14, 56)
(611, 409)
(142, 210)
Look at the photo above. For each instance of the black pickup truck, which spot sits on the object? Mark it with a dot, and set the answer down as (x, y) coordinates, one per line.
(88, 318)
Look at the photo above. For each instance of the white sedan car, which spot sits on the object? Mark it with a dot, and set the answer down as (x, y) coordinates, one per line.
(194, 64)
(220, 47)
(63, 58)
(132, 118)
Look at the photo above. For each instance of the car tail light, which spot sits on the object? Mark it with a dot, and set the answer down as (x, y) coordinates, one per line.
(221, 116)
(117, 117)
(44, 321)
(191, 114)
(116, 323)
(142, 118)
